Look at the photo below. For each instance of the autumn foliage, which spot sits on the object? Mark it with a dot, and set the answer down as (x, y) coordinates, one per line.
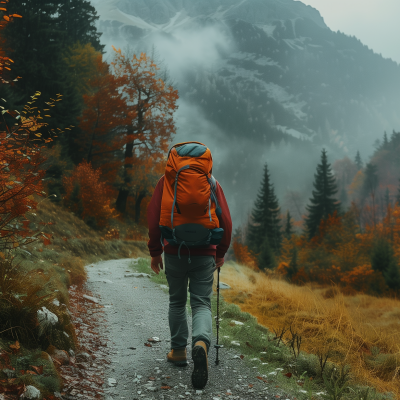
(127, 125)
(244, 256)
(342, 255)
(87, 195)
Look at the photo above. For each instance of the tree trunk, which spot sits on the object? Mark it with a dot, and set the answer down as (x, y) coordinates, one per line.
(122, 200)
(138, 202)
(124, 190)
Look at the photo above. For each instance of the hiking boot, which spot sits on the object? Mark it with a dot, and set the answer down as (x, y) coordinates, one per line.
(177, 356)
(200, 360)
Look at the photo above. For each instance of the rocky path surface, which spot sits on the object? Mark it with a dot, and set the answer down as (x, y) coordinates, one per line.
(135, 310)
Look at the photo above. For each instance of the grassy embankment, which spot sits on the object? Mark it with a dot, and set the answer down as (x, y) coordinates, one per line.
(40, 276)
(298, 328)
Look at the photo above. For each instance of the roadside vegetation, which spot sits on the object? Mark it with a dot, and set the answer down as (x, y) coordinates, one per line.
(312, 341)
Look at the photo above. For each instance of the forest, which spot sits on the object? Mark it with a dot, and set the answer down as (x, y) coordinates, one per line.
(350, 236)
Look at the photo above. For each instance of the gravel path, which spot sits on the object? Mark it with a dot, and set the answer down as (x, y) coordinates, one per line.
(133, 316)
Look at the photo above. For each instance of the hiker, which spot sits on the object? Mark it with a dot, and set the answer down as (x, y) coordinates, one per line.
(188, 218)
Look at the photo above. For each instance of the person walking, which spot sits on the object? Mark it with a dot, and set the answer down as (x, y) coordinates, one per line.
(189, 220)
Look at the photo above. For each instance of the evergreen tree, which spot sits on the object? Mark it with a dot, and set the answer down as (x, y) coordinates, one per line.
(293, 264)
(383, 260)
(266, 258)
(38, 43)
(289, 226)
(323, 203)
(387, 198)
(265, 218)
(78, 20)
(371, 180)
(398, 195)
(385, 143)
(358, 161)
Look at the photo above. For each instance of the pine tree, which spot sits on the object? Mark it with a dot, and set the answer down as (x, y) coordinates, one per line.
(383, 260)
(266, 258)
(77, 19)
(398, 195)
(385, 143)
(387, 198)
(371, 180)
(265, 218)
(323, 203)
(358, 161)
(38, 44)
(293, 264)
(289, 226)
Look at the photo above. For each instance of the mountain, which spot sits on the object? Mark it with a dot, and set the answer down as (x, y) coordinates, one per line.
(252, 74)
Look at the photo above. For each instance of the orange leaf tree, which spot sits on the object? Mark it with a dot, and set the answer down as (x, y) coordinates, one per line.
(21, 174)
(87, 195)
(104, 114)
(149, 126)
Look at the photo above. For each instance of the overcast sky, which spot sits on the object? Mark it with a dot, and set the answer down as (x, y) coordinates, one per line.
(375, 22)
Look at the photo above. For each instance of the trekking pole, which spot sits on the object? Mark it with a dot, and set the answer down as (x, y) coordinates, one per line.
(217, 346)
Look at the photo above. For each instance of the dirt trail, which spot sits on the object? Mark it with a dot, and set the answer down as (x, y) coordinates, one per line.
(136, 309)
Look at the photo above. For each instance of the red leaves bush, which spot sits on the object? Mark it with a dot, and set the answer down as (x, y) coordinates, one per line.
(87, 195)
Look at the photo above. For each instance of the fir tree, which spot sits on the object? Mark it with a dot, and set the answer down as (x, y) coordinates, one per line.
(385, 143)
(38, 43)
(387, 198)
(358, 161)
(293, 264)
(371, 180)
(265, 218)
(78, 21)
(398, 194)
(266, 258)
(289, 226)
(323, 203)
(383, 260)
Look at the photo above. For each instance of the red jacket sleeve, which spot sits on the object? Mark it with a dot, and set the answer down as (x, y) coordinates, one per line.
(153, 220)
(225, 222)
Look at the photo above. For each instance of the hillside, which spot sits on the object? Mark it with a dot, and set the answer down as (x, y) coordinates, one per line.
(252, 74)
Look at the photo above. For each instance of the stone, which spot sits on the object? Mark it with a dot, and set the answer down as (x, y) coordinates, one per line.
(137, 275)
(10, 373)
(112, 382)
(223, 285)
(45, 316)
(31, 393)
(237, 322)
(56, 302)
(83, 357)
(164, 286)
(90, 298)
(60, 356)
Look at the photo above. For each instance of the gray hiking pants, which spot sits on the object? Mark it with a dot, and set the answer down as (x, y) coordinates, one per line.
(201, 277)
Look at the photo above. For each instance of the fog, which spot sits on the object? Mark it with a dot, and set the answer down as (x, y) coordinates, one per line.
(197, 47)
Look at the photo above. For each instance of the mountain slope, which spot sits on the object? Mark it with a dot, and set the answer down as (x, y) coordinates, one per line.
(252, 73)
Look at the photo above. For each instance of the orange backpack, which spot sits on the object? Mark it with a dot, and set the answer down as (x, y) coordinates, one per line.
(189, 206)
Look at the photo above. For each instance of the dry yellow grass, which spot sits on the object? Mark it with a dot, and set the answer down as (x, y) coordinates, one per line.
(362, 331)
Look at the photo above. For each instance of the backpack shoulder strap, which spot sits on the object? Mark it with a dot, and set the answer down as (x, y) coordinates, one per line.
(213, 187)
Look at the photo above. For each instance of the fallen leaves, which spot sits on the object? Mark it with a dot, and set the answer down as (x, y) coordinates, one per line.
(166, 387)
(148, 345)
(15, 347)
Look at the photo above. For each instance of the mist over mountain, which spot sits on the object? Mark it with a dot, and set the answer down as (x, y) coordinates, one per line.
(261, 81)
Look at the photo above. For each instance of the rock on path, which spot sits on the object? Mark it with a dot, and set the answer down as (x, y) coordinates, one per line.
(135, 310)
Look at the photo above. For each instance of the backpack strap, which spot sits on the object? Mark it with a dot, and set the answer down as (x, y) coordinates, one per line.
(176, 186)
(213, 195)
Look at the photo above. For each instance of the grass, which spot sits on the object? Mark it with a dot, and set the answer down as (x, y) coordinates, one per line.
(39, 276)
(358, 334)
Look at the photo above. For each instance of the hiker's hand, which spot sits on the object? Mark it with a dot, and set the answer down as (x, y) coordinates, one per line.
(219, 262)
(156, 263)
